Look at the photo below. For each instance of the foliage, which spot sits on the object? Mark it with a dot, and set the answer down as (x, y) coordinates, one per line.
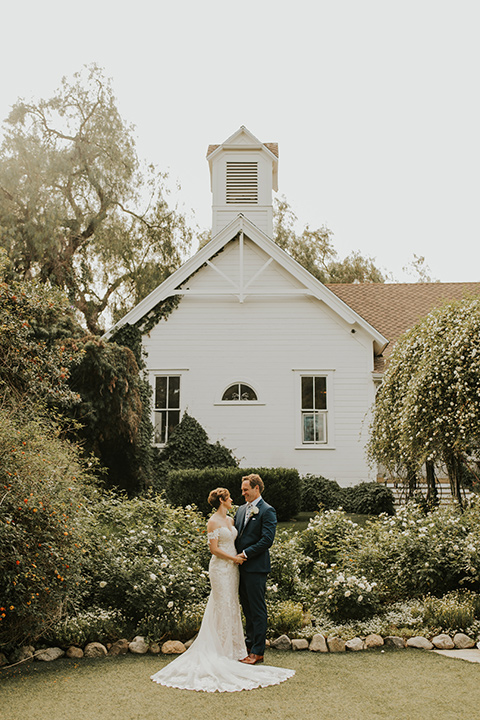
(284, 617)
(314, 250)
(428, 407)
(282, 487)
(92, 625)
(45, 490)
(36, 327)
(113, 413)
(147, 560)
(417, 553)
(455, 611)
(368, 498)
(327, 535)
(188, 447)
(318, 491)
(78, 208)
(346, 596)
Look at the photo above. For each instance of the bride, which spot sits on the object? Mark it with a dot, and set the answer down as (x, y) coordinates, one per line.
(212, 662)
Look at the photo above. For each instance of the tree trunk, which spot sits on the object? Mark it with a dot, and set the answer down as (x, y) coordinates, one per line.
(432, 496)
(454, 468)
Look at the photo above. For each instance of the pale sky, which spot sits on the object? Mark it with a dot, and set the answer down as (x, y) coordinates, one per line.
(375, 105)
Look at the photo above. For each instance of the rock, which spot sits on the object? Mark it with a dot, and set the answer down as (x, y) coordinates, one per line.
(355, 644)
(173, 647)
(154, 648)
(373, 641)
(281, 643)
(394, 641)
(50, 654)
(3, 659)
(74, 652)
(22, 654)
(94, 650)
(443, 642)
(138, 646)
(120, 647)
(335, 644)
(300, 644)
(318, 643)
(462, 641)
(419, 642)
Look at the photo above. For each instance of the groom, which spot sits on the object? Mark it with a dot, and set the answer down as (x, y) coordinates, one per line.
(256, 522)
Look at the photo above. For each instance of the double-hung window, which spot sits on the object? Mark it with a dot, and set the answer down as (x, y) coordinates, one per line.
(314, 409)
(167, 407)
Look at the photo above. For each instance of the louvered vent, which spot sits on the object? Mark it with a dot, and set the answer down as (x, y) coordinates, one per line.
(242, 183)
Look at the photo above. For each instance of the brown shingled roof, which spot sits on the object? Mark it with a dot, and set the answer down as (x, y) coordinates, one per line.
(393, 309)
(273, 147)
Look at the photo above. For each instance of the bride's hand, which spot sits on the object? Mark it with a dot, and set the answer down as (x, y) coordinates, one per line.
(238, 560)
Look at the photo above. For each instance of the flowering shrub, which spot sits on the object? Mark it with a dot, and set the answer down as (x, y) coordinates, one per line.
(93, 625)
(147, 560)
(327, 535)
(44, 491)
(347, 596)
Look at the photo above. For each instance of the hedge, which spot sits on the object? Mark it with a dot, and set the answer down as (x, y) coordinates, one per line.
(191, 487)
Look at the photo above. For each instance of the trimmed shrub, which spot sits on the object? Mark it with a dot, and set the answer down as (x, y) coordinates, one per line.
(368, 498)
(188, 447)
(191, 487)
(317, 492)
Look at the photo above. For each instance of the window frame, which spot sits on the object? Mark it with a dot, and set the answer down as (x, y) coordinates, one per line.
(327, 413)
(153, 375)
(239, 402)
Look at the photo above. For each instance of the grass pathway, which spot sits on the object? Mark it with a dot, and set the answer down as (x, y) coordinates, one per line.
(398, 685)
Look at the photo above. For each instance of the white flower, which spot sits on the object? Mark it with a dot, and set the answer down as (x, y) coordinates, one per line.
(102, 583)
(360, 598)
(254, 510)
(163, 565)
(153, 576)
(170, 604)
(348, 593)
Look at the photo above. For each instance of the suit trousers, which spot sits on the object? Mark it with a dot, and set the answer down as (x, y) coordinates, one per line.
(252, 599)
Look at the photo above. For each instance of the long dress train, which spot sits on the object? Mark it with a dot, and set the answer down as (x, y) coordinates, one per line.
(211, 662)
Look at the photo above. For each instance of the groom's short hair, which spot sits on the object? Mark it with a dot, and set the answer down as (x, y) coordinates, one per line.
(255, 481)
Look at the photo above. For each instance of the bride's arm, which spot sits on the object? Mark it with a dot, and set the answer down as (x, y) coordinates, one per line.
(212, 534)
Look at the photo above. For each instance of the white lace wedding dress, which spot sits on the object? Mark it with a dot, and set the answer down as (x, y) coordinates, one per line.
(211, 662)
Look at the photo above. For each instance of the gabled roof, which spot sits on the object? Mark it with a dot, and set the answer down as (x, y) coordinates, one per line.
(243, 139)
(173, 284)
(394, 308)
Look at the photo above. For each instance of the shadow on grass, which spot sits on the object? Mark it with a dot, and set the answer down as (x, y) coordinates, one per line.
(396, 684)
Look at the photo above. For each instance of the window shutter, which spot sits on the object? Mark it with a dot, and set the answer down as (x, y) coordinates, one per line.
(242, 183)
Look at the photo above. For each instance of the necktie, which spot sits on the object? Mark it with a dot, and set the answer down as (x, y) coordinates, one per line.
(248, 512)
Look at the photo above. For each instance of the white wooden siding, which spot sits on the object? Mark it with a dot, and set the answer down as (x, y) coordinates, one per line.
(262, 341)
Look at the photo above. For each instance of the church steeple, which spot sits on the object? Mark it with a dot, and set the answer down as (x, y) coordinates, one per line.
(243, 173)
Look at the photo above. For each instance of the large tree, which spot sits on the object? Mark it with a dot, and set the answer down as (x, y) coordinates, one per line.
(428, 408)
(315, 251)
(78, 208)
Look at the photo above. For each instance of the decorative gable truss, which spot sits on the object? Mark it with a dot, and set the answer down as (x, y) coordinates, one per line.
(243, 278)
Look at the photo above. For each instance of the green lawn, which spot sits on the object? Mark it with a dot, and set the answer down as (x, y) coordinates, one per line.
(393, 685)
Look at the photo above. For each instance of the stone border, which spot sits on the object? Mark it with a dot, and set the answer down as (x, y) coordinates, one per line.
(318, 643)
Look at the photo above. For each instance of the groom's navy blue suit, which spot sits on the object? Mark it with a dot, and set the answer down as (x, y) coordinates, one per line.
(255, 538)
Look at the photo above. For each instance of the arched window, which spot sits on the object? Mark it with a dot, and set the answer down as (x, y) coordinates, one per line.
(239, 392)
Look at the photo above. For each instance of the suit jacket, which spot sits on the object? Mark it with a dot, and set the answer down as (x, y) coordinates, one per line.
(256, 537)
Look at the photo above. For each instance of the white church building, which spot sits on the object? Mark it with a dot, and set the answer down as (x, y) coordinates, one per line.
(271, 362)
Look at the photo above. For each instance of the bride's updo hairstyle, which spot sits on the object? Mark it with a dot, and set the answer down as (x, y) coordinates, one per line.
(217, 495)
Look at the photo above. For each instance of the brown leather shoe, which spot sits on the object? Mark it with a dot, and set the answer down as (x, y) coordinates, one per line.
(252, 659)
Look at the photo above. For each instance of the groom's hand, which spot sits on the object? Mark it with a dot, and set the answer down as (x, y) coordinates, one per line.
(239, 559)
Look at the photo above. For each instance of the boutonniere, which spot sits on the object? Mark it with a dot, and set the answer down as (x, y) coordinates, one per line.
(254, 510)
